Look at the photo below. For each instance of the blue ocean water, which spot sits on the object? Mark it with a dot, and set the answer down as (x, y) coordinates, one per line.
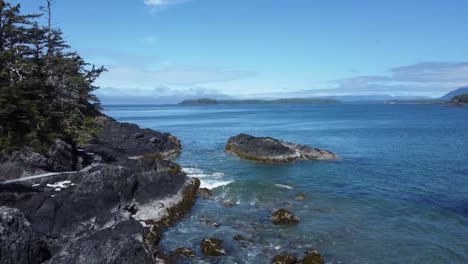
(399, 193)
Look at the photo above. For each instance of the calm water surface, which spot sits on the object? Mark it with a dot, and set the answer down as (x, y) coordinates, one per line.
(399, 194)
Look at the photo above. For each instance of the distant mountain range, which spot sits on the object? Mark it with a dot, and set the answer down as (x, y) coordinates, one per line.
(452, 94)
(369, 98)
(208, 101)
(334, 99)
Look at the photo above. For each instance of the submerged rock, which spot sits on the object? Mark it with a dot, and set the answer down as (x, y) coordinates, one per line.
(313, 257)
(300, 197)
(183, 252)
(228, 204)
(239, 237)
(212, 247)
(284, 258)
(283, 216)
(270, 150)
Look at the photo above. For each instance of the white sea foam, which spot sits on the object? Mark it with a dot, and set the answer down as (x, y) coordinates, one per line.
(284, 186)
(212, 184)
(207, 180)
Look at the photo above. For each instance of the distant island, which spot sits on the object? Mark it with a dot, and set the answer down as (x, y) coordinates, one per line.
(208, 101)
(459, 100)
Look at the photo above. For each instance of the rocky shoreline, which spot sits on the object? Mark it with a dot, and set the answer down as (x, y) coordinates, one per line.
(110, 199)
(107, 201)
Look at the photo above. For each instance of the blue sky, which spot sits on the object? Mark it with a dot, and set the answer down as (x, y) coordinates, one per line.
(165, 50)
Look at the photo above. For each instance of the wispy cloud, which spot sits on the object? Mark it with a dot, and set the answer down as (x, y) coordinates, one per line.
(127, 76)
(162, 3)
(150, 39)
(430, 78)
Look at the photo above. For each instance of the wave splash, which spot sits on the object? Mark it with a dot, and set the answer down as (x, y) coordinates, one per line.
(207, 180)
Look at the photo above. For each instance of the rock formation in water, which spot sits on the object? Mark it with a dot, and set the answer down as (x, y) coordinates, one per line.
(112, 211)
(212, 247)
(283, 216)
(270, 150)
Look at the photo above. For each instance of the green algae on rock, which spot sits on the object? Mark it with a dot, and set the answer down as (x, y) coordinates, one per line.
(284, 258)
(212, 247)
(283, 216)
(313, 257)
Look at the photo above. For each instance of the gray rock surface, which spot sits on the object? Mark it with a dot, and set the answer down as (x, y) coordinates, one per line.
(119, 141)
(113, 211)
(60, 157)
(270, 150)
(19, 242)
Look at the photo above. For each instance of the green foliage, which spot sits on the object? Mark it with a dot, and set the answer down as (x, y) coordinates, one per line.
(45, 89)
(463, 98)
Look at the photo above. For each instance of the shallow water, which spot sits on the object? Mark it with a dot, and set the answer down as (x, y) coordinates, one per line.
(399, 193)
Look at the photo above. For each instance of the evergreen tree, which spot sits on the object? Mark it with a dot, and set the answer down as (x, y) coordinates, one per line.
(45, 89)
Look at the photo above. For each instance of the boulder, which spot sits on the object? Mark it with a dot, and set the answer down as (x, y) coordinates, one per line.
(19, 242)
(313, 257)
(283, 216)
(212, 247)
(284, 258)
(270, 150)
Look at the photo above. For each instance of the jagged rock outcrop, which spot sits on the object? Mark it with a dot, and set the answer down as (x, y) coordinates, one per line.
(114, 210)
(270, 150)
(119, 141)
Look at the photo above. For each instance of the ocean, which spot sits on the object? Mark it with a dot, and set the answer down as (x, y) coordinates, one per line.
(398, 193)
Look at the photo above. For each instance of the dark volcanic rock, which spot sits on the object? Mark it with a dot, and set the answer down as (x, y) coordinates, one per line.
(119, 244)
(120, 141)
(19, 242)
(270, 150)
(212, 247)
(112, 211)
(60, 157)
(284, 259)
(283, 216)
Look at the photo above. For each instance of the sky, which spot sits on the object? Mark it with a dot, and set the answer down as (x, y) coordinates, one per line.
(162, 51)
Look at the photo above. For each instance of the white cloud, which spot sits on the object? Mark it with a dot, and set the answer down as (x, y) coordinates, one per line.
(161, 3)
(425, 78)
